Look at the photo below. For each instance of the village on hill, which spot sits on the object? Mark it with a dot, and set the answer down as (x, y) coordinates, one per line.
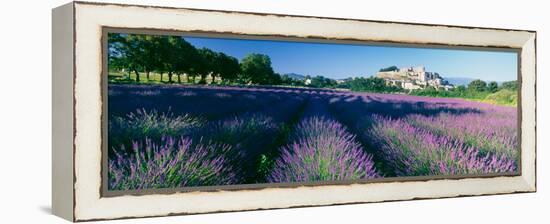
(411, 78)
(407, 78)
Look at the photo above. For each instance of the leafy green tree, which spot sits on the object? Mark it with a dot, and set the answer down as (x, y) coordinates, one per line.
(208, 64)
(492, 86)
(317, 81)
(150, 54)
(229, 68)
(511, 85)
(256, 69)
(165, 56)
(189, 59)
(391, 68)
(460, 88)
(287, 80)
(477, 85)
(322, 82)
(125, 52)
(371, 84)
(172, 55)
(179, 57)
(343, 85)
(116, 56)
(430, 91)
(275, 79)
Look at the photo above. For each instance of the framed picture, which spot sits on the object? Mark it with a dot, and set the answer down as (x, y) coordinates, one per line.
(169, 111)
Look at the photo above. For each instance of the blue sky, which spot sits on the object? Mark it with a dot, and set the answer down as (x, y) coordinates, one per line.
(343, 60)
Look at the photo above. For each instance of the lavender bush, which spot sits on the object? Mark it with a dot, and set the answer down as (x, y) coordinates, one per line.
(234, 135)
(490, 132)
(149, 124)
(243, 132)
(412, 151)
(248, 135)
(323, 151)
(172, 163)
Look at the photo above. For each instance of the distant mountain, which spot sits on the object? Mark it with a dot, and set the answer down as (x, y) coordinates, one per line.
(457, 81)
(296, 76)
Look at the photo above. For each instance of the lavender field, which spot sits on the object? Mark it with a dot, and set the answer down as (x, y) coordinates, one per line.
(167, 136)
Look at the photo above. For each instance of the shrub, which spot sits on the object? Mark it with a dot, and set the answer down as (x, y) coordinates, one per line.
(172, 163)
(249, 136)
(504, 97)
(243, 133)
(149, 124)
(510, 85)
(413, 151)
(388, 69)
(494, 131)
(323, 150)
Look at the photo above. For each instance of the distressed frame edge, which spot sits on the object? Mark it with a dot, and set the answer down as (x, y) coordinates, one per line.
(62, 169)
(530, 183)
(295, 15)
(528, 71)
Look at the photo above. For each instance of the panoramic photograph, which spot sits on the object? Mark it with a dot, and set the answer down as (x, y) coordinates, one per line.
(190, 111)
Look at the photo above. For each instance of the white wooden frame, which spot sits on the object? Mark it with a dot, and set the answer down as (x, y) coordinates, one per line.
(77, 110)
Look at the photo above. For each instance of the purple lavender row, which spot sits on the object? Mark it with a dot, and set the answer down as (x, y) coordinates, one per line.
(246, 135)
(488, 128)
(253, 128)
(211, 103)
(492, 133)
(322, 150)
(413, 151)
(251, 134)
(149, 124)
(221, 146)
(172, 163)
(152, 124)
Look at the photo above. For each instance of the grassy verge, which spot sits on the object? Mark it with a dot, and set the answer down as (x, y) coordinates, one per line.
(503, 97)
(154, 78)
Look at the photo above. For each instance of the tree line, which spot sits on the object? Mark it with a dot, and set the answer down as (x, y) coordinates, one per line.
(373, 84)
(506, 92)
(174, 57)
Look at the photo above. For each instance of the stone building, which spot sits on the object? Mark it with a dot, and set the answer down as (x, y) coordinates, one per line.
(411, 78)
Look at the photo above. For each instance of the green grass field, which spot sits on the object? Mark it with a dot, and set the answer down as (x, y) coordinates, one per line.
(503, 97)
(154, 78)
